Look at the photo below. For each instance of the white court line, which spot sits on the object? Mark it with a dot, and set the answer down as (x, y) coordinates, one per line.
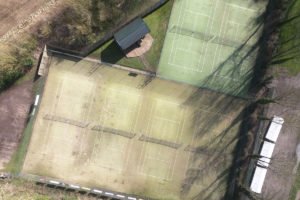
(143, 156)
(53, 109)
(176, 35)
(87, 130)
(184, 67)
(102, 118)
(223, 34)
(180, 136)
(220, 34)
(125, 92)
(124, 108)
(203, 56)
(195, 20)
(172, 167)
(241, 7)
(138, 111)
(236, 23)
(210, 32)
(156, 158)
(213, 18)
(195, 132)
(187, 51)
(152, 158)
(60, 157)
(190, 38)
(105, 167)
(150, 125)
(144, 144)
(113, 150)
(168, 102)
(228, 77)
(153, 176)
(197, 13)
(168, 120)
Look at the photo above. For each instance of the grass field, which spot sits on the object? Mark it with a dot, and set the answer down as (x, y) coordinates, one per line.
(158, 23)
(98, 126)
(289, 50)
(288, 55)
(212, 44)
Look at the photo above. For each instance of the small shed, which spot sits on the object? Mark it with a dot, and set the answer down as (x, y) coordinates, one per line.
(131, 33)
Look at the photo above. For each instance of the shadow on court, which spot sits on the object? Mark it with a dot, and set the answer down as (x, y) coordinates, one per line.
(234, 138)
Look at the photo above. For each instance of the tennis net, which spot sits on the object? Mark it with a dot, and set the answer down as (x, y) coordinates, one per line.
(205, 37)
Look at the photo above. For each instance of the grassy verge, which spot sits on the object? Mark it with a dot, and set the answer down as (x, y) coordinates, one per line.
(295, 187)
(158, 24)
(16, 162)
(288, 54)
(15, 61)
(18, 188)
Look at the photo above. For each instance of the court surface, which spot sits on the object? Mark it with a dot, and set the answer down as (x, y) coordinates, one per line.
(212, 43)
(97, 126)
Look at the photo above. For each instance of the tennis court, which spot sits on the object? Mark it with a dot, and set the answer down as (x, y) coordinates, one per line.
(97, 127)
(209, 44)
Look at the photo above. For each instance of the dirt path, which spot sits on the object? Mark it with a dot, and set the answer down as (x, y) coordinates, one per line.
(280, 175)
(14, 108)
(14, 11)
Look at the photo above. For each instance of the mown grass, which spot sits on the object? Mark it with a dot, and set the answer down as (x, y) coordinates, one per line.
(288, 55)
(158, 24)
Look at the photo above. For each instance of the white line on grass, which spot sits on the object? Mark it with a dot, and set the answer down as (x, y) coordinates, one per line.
(53, 109)
(168, 120)
(197, 13)
(187, 51)
(87, 130)
(203, 56)
(138, 113)
(179, 136)
(156, 158)
(241, 7)
(193, 28)
(218, 45)
(184, 67)
(176, 35)
(223, 32)
(210, 32)
(144, 144)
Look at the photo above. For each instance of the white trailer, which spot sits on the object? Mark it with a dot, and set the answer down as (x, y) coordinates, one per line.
(274, 129)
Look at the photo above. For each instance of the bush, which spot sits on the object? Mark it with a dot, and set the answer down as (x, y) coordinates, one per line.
(27, 63)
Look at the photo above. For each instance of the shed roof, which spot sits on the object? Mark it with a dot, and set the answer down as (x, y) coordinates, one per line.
(131, 33)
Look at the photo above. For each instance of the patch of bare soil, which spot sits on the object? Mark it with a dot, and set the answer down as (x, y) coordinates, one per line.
(14, 107)
(14, 11)
(280, 175)
(142, 48)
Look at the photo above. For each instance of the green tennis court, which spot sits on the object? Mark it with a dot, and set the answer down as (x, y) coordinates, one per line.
(210, 43)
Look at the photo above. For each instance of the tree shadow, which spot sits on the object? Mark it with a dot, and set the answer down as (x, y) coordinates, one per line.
(226, 102)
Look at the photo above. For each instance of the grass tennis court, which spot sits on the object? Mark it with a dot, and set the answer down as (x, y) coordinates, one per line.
(99, 126)
(212, 43)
